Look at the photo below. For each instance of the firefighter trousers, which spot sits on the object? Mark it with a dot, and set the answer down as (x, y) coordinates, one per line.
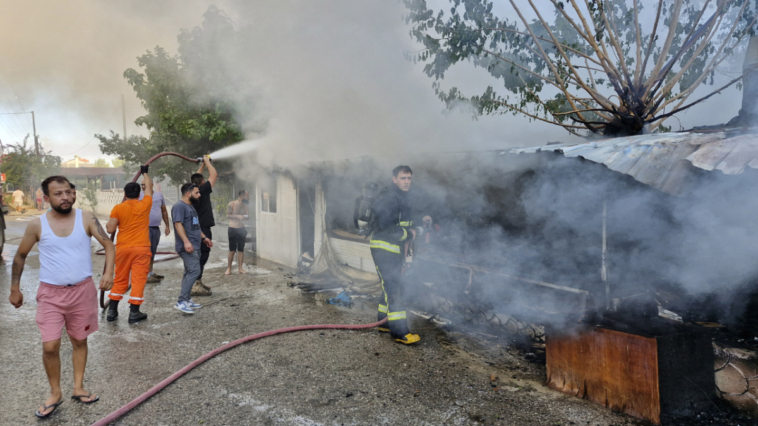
(131, 263)
(392, 302)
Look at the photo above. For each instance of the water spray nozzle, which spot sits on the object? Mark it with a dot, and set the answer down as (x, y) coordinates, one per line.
(200, 159)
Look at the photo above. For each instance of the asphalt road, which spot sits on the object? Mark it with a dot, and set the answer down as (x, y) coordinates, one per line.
(308, 378)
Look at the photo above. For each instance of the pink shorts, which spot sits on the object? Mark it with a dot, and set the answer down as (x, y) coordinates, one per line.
(74, 305)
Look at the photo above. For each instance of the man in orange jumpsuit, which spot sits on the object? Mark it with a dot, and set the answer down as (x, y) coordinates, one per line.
(132, 219)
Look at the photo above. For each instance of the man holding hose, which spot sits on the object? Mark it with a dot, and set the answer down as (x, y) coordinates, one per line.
(66, 295)
(132, 219)
(204, 210)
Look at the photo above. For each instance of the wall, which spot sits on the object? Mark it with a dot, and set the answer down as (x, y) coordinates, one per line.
(278, 234)
(353, 253)
(356, 254)
(106, 200)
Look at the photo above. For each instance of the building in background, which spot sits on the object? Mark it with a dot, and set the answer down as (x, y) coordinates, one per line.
(76, 162)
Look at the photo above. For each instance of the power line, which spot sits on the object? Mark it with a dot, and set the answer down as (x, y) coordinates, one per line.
(8, 131)
(18, 123)
(94, 138)
(19, 126)
(17, 99)
(34, 130)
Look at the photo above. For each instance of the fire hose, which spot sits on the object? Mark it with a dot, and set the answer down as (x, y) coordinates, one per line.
(101, 252)
(157, 388)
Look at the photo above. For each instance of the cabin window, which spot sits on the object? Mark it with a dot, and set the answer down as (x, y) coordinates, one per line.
(268, 194)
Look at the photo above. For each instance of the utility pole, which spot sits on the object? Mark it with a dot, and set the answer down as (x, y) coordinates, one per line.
(123, 114)
(36, 141)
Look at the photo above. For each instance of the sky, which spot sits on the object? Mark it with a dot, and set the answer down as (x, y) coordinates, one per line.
(331, 76)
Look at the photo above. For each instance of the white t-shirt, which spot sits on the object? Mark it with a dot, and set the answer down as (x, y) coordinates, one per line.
(18, 196)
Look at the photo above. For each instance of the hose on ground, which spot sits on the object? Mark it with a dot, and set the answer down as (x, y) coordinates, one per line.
(157, 388)
(103, 302)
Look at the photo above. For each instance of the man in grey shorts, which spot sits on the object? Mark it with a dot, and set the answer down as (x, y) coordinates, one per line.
(157, 212)
(188, 237)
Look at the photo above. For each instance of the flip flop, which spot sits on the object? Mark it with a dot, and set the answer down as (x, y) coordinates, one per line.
(46, 407)
(78, 398)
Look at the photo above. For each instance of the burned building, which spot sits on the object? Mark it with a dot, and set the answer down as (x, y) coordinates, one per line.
(599, 245)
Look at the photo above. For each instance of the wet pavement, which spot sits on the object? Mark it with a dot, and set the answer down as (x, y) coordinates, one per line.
(308, 378)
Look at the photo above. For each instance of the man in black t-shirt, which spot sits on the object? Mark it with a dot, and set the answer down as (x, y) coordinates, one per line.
(205, 213)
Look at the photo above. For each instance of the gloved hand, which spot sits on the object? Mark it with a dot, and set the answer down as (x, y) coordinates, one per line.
(143, 168)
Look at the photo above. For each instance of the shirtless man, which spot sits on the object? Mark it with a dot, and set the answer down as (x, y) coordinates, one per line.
(236, 212)
(67, 294)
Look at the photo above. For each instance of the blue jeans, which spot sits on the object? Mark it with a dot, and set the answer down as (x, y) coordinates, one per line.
(191, 273)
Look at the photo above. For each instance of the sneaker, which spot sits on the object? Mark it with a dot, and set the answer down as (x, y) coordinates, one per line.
(197, 290)
(194, 305)
(112, 315)
(184, 307)
(137, 317)
(160, 277)
(153, 279)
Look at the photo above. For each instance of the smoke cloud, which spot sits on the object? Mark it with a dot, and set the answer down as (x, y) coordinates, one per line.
(331, 77)
(329, 81)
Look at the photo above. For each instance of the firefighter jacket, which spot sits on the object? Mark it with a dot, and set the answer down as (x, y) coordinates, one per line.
(391, 214)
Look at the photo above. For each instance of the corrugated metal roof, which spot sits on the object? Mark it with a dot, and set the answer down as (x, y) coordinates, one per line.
(730, 155)
(660, 159)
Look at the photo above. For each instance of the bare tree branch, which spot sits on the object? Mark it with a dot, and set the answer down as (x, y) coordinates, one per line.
(650, 44)
(595, 94)
(568, 127)
(638, 36)
(570, 49)
(665, 50)
(669, 114)
(611, 33)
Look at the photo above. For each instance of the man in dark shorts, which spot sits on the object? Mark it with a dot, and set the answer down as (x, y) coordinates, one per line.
(204, 210)
(237, 212)
(157, 212)
(66, 295)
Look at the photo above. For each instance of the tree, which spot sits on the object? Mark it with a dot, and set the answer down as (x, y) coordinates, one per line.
(100, 162)
(191, 102)
(603, 66)
(23, 168)
(117, 162)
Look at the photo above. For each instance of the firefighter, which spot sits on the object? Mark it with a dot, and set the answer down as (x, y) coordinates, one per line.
(393, 228)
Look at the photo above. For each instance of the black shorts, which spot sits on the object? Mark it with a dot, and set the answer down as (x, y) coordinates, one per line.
(237, 238)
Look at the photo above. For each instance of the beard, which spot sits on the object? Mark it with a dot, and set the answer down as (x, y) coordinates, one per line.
(62, 210)
(194, 200)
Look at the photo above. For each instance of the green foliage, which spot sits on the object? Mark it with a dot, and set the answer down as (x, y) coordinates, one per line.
(191, 102)
(222, 195)
(24, 169)
(100, 162)
(117, 162)
(90, 195)
(603, 66)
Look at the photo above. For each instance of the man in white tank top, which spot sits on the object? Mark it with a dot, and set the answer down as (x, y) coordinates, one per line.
(67, 294)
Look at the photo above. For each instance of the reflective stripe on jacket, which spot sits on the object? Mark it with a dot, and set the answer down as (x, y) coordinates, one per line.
(392, 214)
